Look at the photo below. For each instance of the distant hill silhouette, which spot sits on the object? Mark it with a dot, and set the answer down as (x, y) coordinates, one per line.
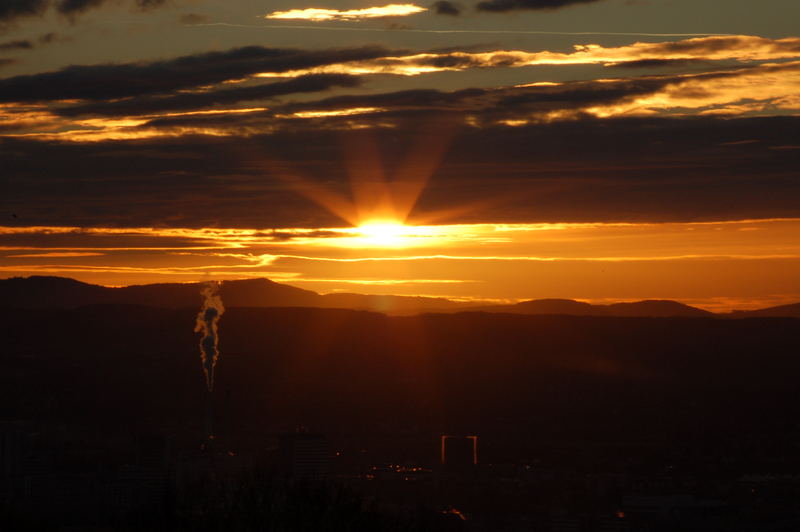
(650, 308)
(57, 292)
(39, 292)
(782, 311)
(391, 304)
(656, 308)
(550, 306)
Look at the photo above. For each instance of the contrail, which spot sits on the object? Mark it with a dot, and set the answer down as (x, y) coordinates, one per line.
(206, 324)
(491, 32)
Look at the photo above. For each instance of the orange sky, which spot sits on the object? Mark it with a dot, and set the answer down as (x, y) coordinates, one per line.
(596, 150)
(720, 266)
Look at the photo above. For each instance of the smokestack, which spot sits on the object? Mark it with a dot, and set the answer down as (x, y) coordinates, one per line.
(209, 423)
(207, 321)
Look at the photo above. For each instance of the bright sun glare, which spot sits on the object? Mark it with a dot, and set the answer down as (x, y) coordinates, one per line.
(388, 233)
(384, 233)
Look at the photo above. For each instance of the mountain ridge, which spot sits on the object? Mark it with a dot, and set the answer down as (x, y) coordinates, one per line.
(51, 292)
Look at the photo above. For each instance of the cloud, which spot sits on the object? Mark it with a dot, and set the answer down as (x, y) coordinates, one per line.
(201, 100)
(639, 255)
(58, 254)
(635, 169)
(718, 91)
(16, 45)
(99, 82)
(11, 10)
(320, 14)
(209, 112)
(445, 7)
(52, 37)
(188, 95)
(70, 7)
(27, 44)
(146, 5)
(110, 81)
(728, 92)
(500, 6)
(655, 63)
(716, 48)
(193, 18)
(555, 241)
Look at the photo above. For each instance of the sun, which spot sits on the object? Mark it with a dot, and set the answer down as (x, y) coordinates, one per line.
(387, 234)
(384, 233)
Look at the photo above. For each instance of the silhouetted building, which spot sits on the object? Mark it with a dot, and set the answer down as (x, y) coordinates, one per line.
(152, 451)
(304, 455)
(459, 453)
(11, 455)
(561, 522)
(135, 486)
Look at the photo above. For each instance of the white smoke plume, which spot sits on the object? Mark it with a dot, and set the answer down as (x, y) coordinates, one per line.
(206, 324)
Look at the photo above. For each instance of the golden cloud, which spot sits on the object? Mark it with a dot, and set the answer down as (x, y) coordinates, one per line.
(321, 14)
(717, 93)
(733, 95)
(701, 261)
(742, 48)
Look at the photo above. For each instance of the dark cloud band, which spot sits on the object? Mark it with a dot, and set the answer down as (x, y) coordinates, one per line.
(445, 7)
(500, 6)
(13, 9)
(16, 45)
(202, 100)
(642, 169)
(100, 82)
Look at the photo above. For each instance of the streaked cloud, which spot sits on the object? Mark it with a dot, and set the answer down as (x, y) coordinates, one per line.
(502, 6)
(596, 241)
(190, 101)
(716, 48)
(736, 261)
(335, 112)
(321, 14)
(137, 79)
(193, 18)
(669, 165)
(193, 83)
(729, 92)
(22, 44)
(381, 282)
(72, 7)
(445, 7)
(10, 10)
(55, 254)
(454, 31)
(105, 129)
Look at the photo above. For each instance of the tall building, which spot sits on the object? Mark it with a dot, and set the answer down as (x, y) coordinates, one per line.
(459, 453)
(153, 451)
(11, 455)
(304, 455)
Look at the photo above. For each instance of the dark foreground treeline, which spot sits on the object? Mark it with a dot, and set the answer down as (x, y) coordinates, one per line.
(254, 502)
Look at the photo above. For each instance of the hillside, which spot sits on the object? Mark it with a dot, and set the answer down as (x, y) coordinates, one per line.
(37, 292)
(123, 367)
